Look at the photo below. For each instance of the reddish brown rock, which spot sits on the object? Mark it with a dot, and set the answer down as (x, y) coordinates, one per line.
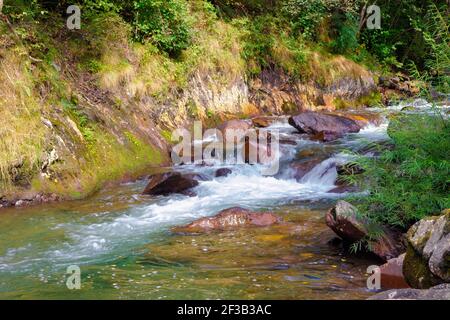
(301, 168)
(264, 121)
(345, 222)
(332, 126)
(170, 182)
(392, 274)
(326, 136)
(227, 219)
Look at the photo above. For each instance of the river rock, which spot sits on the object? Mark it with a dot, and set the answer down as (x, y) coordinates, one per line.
(229, 126)
(264, 121)
(326, 136)
(227, 219)
(427, 261)
(332, 126)
(302, 167)
(223, 172)
(392, 274)
(170, 182)
(440, 292)
(343, 219)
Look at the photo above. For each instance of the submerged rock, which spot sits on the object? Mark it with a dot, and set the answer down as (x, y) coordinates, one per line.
(170, 182)
(325, 126)
(343, 219)
(441, 292)
(427, 261)
(326, 136)
(231, 218)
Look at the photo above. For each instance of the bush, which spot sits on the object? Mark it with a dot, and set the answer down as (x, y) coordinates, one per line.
(347, 32)
(163, 22)
(410, 181)
(304, 15)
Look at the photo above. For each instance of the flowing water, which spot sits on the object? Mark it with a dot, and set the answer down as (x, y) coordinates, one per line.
(122, 242)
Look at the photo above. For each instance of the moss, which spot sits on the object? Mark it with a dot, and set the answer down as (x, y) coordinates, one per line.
(416, 272)
(106, 161)
(374, 99)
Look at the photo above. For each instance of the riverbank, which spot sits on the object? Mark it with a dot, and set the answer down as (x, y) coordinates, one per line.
(86, 107)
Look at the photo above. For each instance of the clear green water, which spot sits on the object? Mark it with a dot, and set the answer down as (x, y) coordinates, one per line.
(288, 261)
(123, 245)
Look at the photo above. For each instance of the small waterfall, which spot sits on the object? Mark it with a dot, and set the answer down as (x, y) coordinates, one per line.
(324, 174)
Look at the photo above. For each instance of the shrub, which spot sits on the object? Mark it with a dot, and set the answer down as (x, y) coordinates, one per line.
(304, 15)
(163, 22)
(347, 31)
(410, 181)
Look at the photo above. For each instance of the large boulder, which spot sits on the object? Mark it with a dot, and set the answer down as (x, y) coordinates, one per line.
(227, 219)
(427, 261)
(344, 220)
(324, 126)
(440, 292)
(170, 182)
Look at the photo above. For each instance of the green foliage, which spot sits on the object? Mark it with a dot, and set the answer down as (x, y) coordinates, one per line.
(405, 26)
(347, 30)
(233, 8)
(435, 32)
(258, 43)
(165, 23)
(411, 180)
(304, 15)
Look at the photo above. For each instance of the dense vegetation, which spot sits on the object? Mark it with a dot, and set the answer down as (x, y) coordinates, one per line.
(152, 47)
(411, 180)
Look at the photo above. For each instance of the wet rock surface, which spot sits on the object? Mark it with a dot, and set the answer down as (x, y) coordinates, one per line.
(227, 219)
(325, 127)
(427, 261)
(170, 182)
(392, 274)
(343, 219)
(223, 172)
(264, 121)
(28, 199)
(441, 292)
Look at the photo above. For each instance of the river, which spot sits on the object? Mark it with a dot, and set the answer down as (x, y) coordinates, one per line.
(121, 240)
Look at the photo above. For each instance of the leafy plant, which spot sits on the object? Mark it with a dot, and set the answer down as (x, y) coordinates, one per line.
(304, 15)
(163, 22)
(411, 180)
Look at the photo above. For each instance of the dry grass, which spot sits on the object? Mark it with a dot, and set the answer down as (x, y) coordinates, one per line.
(22, 134)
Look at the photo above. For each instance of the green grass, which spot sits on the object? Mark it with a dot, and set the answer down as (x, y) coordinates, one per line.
(410, 181)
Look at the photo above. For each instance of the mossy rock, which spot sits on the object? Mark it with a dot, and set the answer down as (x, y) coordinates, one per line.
(427, 261)
(416, 271)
